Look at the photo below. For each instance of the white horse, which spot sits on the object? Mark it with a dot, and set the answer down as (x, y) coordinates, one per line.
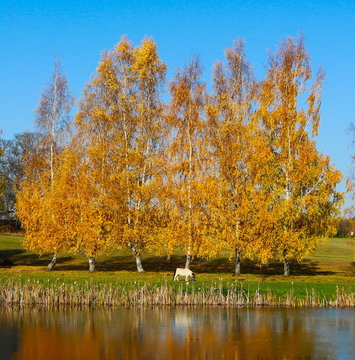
(184, 272)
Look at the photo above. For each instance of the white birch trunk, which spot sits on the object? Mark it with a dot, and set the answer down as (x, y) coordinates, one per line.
(287, 269)
(188, 259)
(139, 263)
(91, 261)
(137, 256)
(52, 263)
(237, 262)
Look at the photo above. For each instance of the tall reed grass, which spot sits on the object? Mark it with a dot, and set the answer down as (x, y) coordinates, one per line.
(96, 294)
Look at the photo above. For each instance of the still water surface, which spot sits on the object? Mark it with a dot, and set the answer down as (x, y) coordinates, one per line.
(178, 333)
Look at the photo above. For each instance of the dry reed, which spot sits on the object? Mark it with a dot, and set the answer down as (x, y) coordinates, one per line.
(95, 294)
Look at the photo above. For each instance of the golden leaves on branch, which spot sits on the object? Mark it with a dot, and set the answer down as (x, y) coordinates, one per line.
(235, 170)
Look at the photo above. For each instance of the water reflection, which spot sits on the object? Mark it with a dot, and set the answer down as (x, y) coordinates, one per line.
(180, 333)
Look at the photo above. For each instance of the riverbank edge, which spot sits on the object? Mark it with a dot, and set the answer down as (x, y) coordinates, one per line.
(98, 295)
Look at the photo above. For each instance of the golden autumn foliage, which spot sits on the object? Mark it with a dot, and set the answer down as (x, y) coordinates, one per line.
(84, 223)
(52, 123)
(35, 197)
(236, 170)
(120, 129)
(305, 198)
(239, 159)
(186, 168)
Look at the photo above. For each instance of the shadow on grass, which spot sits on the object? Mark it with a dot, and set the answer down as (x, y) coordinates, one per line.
(35, 260)
(307, 267)
(222, 265)
(19, 257)
(127, 263)
(9, 253)
(213, 266)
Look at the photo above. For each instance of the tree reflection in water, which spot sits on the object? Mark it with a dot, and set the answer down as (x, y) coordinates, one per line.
(175, 333)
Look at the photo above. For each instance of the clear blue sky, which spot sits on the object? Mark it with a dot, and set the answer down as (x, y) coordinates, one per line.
(33, 33)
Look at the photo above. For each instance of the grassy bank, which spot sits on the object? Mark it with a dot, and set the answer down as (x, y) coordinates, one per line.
(324, 279)
(97, 294)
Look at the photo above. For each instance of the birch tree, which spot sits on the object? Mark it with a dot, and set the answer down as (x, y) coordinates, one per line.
(187, 155)
(85, 225)
(52, 121)
(100, 138)
(52, 115)
(149, 72)
(120, 124)
(305, 196)
(239, 157)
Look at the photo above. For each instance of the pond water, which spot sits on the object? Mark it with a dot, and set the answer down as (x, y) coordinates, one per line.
(177, 333)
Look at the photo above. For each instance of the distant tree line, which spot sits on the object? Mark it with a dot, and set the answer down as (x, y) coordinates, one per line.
(12, 173)
(235, 169)
(346, 227)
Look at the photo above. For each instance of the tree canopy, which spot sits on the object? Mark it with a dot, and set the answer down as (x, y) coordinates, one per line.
(235, 169)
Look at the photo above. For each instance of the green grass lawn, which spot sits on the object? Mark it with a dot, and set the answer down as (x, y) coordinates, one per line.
(332, 265)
